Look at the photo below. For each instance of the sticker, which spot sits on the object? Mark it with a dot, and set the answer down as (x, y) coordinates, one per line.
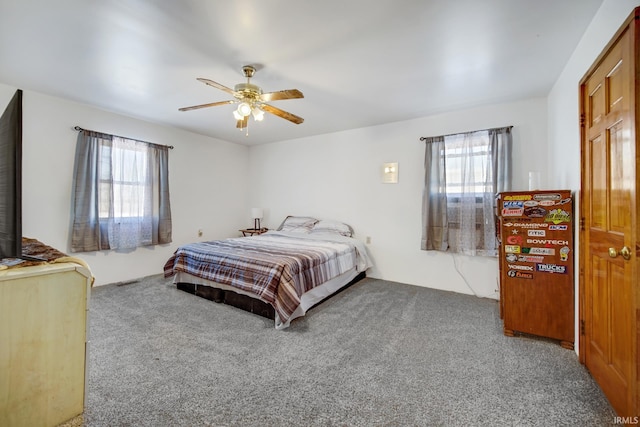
(536, 233)
(547, 203)
(511, 257)
(512, 212)
(547, 196)
(512, 205)
(514, 240)
(518, 197)
(548, 242)
(531, 203)
(562, 227)
(551, 268)
(526, 224)
(538, 251)
(535, 212)
(512, 249)
(530, 258)
(521, 267)
(564, 253)
(557, 216)
(519, 274)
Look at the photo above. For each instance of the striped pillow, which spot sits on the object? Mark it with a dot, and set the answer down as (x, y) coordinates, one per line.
(335, 227)
(297, 224)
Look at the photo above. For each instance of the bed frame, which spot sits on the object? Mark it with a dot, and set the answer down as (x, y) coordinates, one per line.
(245, 302)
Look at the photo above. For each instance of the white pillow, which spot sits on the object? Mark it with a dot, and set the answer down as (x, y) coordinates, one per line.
(335, 227)
(298, 224)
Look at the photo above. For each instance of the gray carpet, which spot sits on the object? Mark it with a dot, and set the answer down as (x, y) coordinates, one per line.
(377, 354)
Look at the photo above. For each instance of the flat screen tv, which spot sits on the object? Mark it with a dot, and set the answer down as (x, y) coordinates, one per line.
(11, 179)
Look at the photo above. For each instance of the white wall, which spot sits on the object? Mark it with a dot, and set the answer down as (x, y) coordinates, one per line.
(208, 181)
(563, 108)
(563, 105)
(338, 176)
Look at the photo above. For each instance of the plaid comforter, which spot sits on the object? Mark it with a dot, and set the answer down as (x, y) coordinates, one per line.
(276, 267)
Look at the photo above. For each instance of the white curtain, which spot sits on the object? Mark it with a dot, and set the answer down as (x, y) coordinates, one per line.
(130, 209)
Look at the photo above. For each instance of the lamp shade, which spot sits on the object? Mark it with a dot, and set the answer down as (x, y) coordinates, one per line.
(244, 109)
(258, 114)
(256, 213)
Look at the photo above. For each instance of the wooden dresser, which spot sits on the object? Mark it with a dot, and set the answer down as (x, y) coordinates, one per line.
(43, 343)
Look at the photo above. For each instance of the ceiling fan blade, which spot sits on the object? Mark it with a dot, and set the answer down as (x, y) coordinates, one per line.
(213, 104)
(282, 94)
(217, 86)
(242, 123)
(281, 113)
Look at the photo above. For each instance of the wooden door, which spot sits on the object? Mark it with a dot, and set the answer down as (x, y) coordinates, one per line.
(609, 229)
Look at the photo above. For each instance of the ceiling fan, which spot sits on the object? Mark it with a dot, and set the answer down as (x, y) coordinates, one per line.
(251, 100)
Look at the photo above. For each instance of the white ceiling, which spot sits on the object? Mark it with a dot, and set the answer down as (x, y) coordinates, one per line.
(358, 62)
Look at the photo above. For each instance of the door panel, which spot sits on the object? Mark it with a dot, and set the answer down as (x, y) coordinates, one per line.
(621, 171)
(620, 354)
(598, 183)
(599, 291)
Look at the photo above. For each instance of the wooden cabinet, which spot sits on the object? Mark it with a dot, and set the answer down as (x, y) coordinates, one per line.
(536, 264)
(43, 343)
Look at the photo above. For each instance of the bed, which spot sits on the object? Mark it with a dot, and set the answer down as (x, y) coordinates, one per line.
(279, 274)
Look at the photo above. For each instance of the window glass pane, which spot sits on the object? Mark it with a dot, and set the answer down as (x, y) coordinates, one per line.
(125, 171)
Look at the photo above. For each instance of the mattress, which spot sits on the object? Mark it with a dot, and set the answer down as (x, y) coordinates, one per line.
(290, 271)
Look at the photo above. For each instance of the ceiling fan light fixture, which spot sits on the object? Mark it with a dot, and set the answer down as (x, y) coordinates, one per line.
(252, 101)
(244, 109)
(258, 114)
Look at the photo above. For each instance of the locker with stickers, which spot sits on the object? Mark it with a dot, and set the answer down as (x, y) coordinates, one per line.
(536, 264)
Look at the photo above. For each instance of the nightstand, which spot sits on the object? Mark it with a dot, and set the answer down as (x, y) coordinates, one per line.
(251, 231)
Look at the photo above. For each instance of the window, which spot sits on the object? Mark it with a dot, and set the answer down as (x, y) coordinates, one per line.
(463, 174)
(121, 193)
(124, 168)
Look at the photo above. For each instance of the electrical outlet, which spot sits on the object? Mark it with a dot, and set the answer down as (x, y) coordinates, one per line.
(200, 232)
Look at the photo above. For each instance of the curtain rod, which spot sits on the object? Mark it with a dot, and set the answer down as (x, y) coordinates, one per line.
(79, 129)
(424, 138)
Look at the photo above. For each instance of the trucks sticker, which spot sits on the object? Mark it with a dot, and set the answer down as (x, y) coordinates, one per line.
(551, 268)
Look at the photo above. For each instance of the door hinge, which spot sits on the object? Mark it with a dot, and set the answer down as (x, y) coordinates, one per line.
(582, 221)
(581, 326)
(582, 119)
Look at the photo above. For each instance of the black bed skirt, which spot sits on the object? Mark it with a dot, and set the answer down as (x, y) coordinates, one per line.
(244, 302)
